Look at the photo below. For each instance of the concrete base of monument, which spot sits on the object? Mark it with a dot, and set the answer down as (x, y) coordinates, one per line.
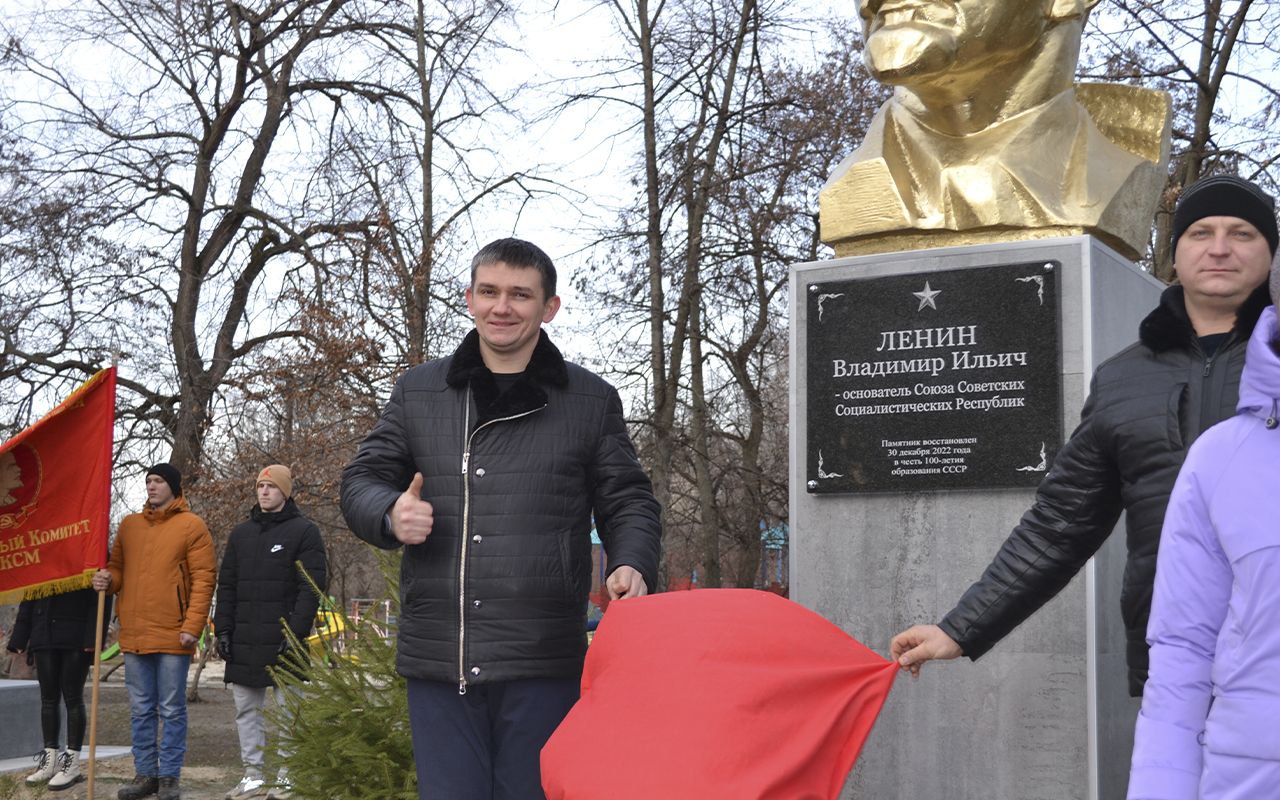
(20, 707)
(913, 454)
(20, 737)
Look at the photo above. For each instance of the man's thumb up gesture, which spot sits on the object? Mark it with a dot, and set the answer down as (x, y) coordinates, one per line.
(411, 516)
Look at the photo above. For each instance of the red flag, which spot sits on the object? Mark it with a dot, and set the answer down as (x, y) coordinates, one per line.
(55, 495)
(723, 693)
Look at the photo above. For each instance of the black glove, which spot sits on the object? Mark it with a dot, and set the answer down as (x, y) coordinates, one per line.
(283, 648)
(224, 646)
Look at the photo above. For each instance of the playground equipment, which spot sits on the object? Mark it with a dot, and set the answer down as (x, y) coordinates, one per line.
(329, 625)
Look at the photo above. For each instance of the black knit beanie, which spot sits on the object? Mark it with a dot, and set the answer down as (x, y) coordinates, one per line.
(171, 476)
(1226, 196)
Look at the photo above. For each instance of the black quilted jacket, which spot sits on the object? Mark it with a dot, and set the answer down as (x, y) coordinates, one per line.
(260, 589)
(1147, 404)
(60, 622)
(499, 589)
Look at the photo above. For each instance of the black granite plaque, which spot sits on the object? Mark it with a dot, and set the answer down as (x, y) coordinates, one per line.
(938, 380)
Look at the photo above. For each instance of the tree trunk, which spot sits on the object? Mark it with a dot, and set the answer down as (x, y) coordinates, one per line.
(708, 516)
(664, 394)
(193, 688)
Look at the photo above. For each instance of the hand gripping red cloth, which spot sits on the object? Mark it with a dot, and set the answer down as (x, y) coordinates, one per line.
(718, 693)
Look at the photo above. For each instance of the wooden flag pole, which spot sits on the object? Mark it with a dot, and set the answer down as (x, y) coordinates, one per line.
(93, 697)
(97, 653)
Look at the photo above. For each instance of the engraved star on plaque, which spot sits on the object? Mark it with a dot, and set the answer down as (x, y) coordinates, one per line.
(926, 297)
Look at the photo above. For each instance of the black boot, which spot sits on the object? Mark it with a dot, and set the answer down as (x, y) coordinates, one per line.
(142, 786)
(169, 789)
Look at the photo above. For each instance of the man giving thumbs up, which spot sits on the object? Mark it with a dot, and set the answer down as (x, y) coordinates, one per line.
(489, 467)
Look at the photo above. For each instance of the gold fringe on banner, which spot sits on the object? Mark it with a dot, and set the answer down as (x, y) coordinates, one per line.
(49, 588)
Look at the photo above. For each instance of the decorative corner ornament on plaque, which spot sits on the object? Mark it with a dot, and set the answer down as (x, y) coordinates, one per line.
(822, 298)
(987, 139)
(1041, 467)
(921, 382)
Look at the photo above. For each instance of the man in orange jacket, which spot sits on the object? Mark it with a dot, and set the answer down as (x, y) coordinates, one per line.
(162, 566)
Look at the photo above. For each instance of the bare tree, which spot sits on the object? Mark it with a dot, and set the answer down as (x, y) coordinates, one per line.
(190, 147)
(805, 119)
(422, 159)
(802, 120)
(733, 143)
(683, 78)
(307, 409)
(52, 264)
(1218, 60)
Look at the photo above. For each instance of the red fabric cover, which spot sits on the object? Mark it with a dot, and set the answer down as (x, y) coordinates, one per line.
(719, 693)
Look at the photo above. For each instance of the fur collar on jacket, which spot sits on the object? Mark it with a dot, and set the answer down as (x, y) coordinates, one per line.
(546, 367)
(1168, 327)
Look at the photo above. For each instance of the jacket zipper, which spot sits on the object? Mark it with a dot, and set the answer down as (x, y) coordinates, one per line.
(1207, 408)
(182, 603)
(466, 530)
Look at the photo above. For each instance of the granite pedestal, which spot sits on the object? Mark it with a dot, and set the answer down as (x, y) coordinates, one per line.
(20, 709)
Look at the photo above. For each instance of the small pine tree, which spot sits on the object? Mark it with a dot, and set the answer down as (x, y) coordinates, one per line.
(342, 731)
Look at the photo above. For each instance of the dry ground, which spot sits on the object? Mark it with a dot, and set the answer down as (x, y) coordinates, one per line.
(213, 755)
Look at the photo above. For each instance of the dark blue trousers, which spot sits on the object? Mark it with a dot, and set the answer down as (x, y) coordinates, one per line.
(484, 745)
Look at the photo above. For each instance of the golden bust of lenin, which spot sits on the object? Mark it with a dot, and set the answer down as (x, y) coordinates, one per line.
(986, 138)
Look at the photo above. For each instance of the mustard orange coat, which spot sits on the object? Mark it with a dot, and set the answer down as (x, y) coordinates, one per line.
(162, 566)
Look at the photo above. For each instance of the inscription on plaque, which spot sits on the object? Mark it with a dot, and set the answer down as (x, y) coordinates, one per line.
(939, 380)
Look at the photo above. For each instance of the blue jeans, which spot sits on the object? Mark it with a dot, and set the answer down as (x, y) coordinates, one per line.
(157, 691)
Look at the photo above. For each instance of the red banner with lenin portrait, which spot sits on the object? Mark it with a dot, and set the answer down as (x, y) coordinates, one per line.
(55, 495)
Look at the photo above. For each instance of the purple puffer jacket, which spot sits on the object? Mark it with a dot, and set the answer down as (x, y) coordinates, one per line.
(1210, 721)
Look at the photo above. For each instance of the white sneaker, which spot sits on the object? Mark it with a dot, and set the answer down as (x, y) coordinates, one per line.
(282, 790)
(46, 766)
(248, 786)
(68, 773)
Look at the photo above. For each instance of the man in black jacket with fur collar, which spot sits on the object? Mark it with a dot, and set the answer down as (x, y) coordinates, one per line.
(488, 467)
(1146, 406)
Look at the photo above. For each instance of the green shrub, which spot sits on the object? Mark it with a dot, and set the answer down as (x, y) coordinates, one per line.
(343, 734)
